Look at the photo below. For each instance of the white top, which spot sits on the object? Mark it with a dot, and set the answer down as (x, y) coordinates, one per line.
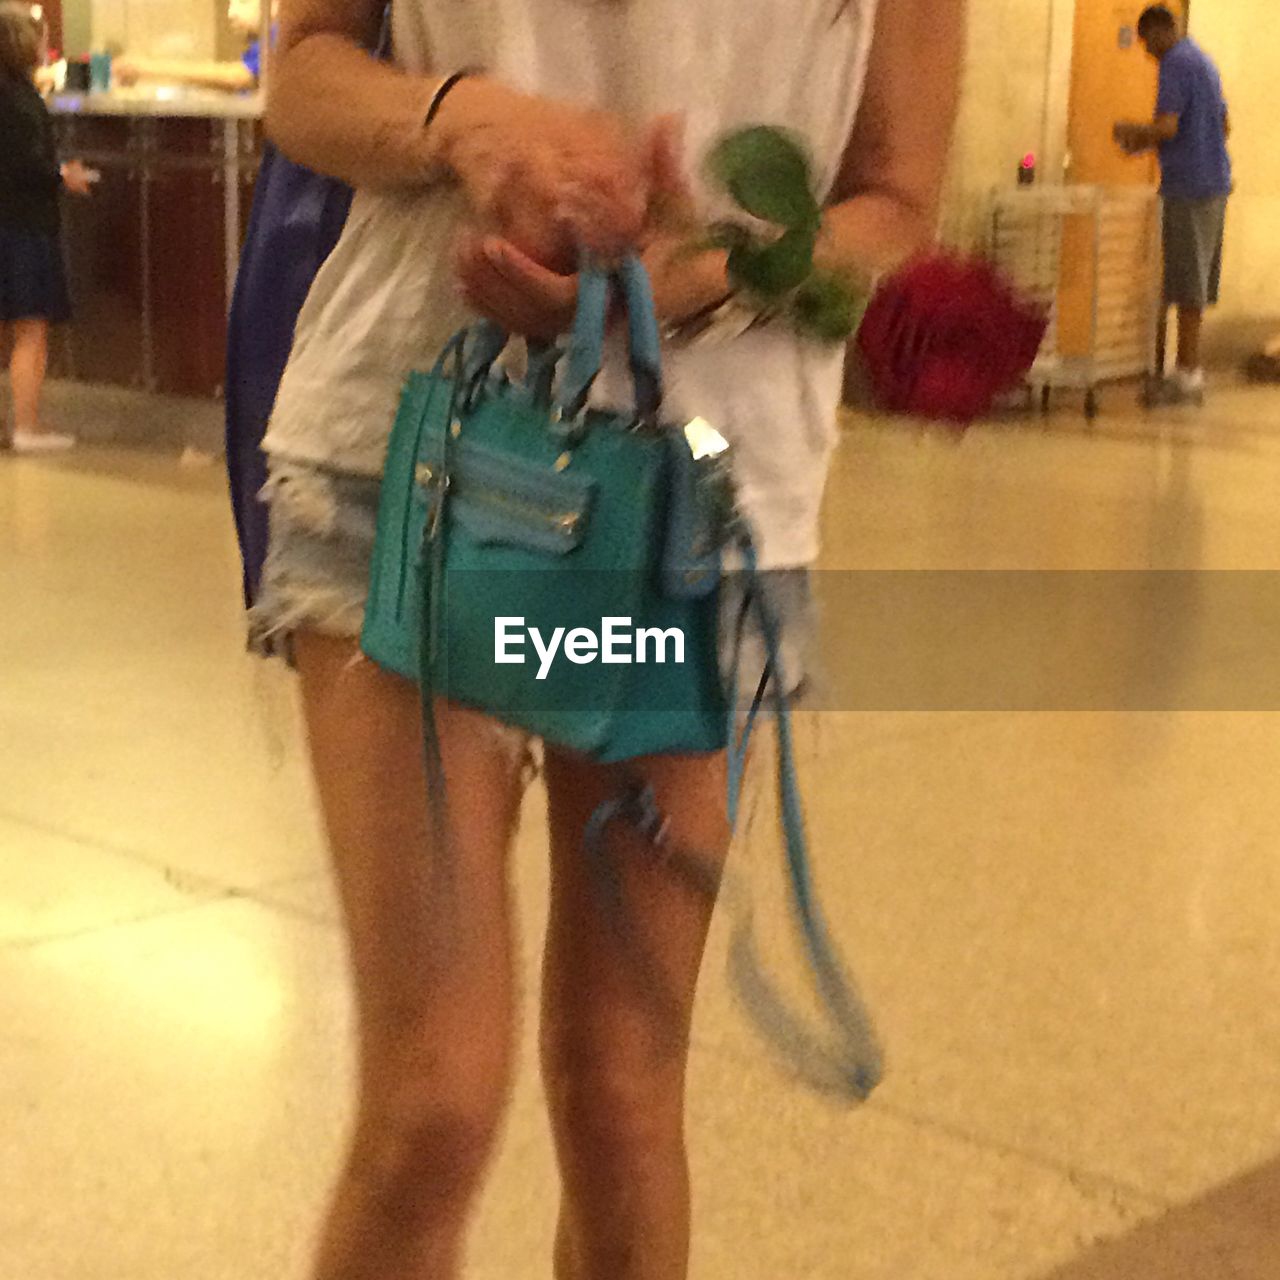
(383, 304)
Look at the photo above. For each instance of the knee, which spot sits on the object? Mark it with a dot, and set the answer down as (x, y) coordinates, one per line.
(423, 1161)
(624, 1100)
(428, 1122)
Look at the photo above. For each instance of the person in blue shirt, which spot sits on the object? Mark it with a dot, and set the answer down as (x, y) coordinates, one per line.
(1190, 132)
(241, 76)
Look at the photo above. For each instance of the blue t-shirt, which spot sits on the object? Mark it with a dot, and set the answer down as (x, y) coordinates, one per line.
(1194, 164)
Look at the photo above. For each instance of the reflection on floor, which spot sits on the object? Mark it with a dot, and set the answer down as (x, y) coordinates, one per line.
(1067, 922)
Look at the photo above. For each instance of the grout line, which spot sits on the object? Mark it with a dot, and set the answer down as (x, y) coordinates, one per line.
(1092, 1185)
(185, 882)
(22, 946)
(1087, 1181)
(256, 895)
(199, 889)
(191, 882)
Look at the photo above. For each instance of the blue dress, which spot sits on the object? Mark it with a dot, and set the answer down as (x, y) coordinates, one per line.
(33, 282)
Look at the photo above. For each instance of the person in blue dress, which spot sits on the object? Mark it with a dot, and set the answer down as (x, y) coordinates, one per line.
(33, 286)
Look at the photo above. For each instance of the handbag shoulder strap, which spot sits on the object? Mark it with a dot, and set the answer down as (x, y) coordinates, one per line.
(847, 1059)
(842, 1058)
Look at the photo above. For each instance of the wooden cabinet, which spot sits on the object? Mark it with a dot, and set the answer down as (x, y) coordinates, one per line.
(150, 256)
(103, 244)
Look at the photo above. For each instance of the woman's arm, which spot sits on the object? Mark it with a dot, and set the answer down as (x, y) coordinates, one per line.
(231, 77)
(890, 183)
(335, 108)
(885, 202)
(545, 173)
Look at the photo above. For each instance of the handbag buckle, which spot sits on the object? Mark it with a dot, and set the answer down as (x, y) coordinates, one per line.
(645, 424)
(439, 486)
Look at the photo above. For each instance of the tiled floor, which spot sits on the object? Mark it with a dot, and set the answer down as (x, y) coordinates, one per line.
(1066, 921)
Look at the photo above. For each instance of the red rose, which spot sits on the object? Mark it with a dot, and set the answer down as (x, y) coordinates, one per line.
(943, 337)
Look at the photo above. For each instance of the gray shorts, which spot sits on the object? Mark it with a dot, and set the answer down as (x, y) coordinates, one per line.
(1193, 232)
(316, 578)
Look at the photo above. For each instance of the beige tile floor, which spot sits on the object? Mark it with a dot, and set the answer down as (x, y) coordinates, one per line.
(1067, 921)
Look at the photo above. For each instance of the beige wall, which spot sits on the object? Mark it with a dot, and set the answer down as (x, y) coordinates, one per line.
(1240, 36)
(157, 28)
(1014, 100)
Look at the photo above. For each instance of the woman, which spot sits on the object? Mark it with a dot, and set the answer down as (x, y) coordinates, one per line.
(33, 286)
(564, 139)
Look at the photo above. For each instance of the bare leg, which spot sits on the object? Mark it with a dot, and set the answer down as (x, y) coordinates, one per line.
(1162, 341)
(614, 1056)
(1189, 322)
(429, 932)
(27, 363)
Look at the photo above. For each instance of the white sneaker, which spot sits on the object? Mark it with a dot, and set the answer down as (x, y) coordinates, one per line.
(1190, 383)
(41, 441)
(1182, 387)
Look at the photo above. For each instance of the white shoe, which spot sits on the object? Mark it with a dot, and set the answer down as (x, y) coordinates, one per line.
(41, 441)
(1183, 388)
(1190, 384)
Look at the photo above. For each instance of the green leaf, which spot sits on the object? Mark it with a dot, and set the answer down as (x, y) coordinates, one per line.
(767, 172)
(828, 307)
(770, 271)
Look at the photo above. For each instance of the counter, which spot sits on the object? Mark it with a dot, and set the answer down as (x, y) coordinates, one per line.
(152, 255)
(160, 102)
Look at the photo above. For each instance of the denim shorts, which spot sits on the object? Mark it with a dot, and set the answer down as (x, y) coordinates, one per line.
(316, 578)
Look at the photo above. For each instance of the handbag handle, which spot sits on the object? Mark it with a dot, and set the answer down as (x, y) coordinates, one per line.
(586, 343)
(585, 354)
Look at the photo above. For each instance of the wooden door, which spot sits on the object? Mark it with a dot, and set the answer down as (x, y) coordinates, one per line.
(1112, 78)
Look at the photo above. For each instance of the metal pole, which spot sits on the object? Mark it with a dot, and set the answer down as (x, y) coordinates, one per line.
(230, 204)
(146, 129)
(264, 49)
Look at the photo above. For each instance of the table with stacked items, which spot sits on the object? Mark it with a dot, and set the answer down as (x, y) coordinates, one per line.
(1091, 254)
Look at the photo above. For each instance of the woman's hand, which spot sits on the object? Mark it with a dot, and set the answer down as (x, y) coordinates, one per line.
(548, 177)
(526, 295)
(501, 282)
(77, 179)
(504, 284)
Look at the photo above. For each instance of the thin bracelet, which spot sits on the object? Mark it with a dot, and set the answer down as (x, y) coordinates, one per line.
(437, 98)
(721, 322)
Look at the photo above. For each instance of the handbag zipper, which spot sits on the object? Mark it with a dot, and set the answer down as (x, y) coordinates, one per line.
(563, 522)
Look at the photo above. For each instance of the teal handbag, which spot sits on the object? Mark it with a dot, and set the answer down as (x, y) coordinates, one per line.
(508, 499)
(500, 502)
